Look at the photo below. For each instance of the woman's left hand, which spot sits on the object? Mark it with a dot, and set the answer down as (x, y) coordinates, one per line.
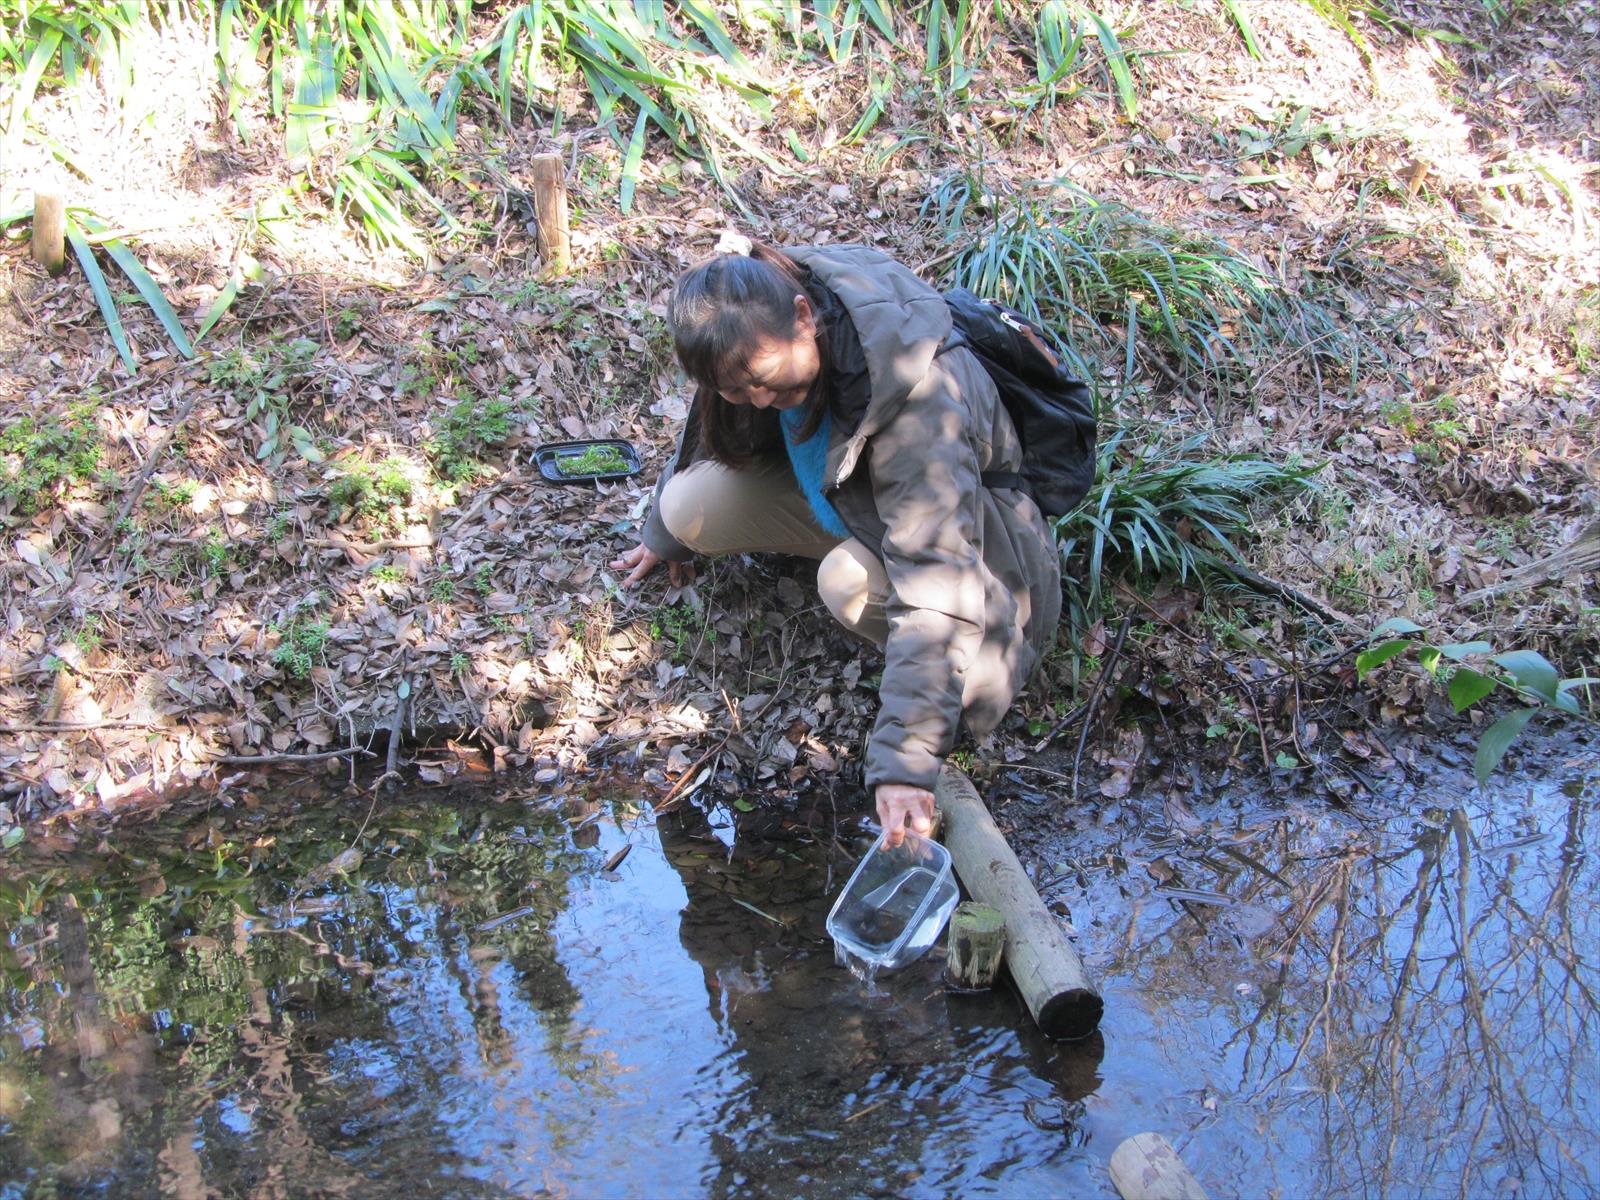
(900, 804)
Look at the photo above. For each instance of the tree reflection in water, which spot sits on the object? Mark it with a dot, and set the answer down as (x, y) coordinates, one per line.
(1306, 1004)
(1424, 999)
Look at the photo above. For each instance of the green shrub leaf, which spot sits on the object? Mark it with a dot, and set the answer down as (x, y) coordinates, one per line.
(1456, 651)
(1497, 740)
(1467, 687)
(1533, 671)
(1397, 625)
(1367, 660)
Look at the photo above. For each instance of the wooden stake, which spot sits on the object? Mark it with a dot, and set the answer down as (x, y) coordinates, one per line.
(977, 939)
(1042, 962)
(50, 232)
(550, 203)
(1146, 1167)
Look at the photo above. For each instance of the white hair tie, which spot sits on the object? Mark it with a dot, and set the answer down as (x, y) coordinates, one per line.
(734, 243)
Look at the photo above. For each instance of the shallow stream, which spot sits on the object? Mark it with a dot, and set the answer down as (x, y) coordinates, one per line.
(452, 997)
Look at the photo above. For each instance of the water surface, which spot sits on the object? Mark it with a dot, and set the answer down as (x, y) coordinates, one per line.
(454, 998)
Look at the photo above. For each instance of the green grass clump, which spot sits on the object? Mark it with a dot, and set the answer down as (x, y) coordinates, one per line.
(267, 381)
(302, 645)
(596, 460)
(466, 432)
(367, 490)
(1175, 509)
(1115, 283)
(173, 496)
(38, 456)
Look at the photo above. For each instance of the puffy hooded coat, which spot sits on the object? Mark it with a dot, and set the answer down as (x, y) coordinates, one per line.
(973, 571)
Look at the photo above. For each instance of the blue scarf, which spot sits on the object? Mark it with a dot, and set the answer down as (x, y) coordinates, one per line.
(809, 458)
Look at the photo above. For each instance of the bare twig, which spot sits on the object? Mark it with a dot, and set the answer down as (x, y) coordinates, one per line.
(143, 479)
(1094, 701)
(76, 726)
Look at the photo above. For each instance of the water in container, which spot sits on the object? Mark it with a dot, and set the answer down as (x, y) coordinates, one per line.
(894, 907)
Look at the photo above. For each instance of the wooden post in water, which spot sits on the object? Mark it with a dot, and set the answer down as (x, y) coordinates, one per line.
(49, 231)
(550, 204)
(1042, 962)
(1146, 1167)
(977, 939)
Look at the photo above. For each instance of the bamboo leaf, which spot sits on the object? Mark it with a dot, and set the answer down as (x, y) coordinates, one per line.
(27, 83)
(1117, 60)
(633, 160)
(246, 269)
(102, 293)
(306, 121)
(877, 14)
(1247, 31)
(716, 32)
(934, 20)
(147, 287)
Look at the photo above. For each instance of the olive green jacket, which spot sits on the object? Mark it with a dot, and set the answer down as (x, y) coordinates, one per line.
(973, 571)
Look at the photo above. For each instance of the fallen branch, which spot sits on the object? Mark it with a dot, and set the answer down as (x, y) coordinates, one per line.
(1041, 960)
(1577, 557)
(267, 759)
(76, 726)
(1284, 592)
(358, 552)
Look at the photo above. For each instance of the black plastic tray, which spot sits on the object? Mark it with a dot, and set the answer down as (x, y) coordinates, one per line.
(550, 454)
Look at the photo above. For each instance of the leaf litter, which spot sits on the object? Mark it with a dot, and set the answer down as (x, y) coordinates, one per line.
(482, 601)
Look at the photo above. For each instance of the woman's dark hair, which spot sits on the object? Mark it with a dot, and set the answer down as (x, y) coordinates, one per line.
(719, 311)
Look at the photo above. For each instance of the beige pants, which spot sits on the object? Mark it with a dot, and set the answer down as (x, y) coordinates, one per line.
(713, 509)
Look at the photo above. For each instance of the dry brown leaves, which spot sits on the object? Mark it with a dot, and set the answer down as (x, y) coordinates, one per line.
(1456, 219)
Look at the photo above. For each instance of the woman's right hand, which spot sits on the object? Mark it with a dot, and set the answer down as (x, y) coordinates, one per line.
(641, 560)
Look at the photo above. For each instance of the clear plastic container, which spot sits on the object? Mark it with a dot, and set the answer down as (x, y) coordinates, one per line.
(895, 906)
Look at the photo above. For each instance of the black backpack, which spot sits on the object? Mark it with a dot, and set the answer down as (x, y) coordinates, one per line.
(1053, 412)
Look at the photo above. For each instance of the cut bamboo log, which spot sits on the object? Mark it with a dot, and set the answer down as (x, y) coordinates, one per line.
(1146, 1167)
(1042, 962)
(977, 940)
(50, 232)
(550, 204)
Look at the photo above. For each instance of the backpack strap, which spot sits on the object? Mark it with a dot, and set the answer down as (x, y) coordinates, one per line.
(1005, 479)
(989, 479)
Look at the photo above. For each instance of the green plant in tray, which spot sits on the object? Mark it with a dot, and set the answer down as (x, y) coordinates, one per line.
(595, 460)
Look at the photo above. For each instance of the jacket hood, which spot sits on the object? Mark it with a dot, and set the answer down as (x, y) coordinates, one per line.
(902, 323)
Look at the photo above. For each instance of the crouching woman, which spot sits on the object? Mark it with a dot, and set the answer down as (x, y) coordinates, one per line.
(838, 418)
